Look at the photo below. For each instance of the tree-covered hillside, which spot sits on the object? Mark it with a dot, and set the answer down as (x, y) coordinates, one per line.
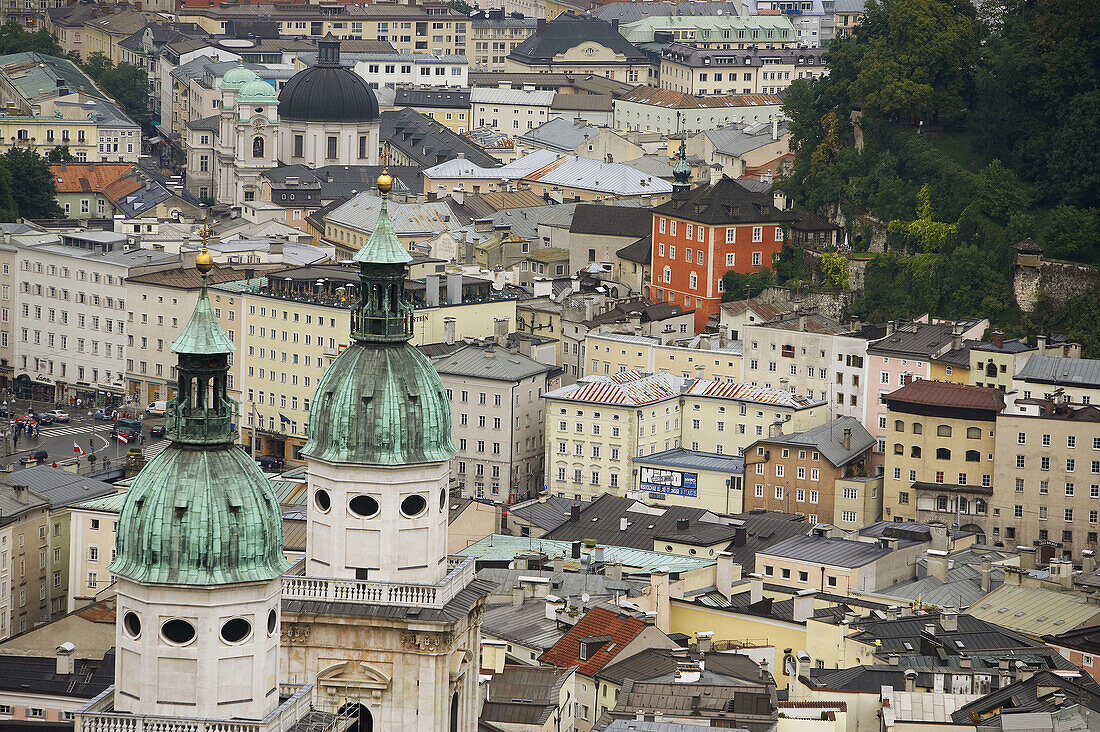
(979, 128)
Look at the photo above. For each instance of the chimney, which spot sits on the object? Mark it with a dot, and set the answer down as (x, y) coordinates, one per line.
(936, 562)
(775, 127)
(553, 604)
(1088, 561)
(682, 524)
(847, 439)
(1061, 572)
(699, 371)
(66, 663)
(454, 288)
(575, 513)
(540, 26)
(431, 290)
(740, 536)
(623, 523)
(559, 563)
(706, 640)
(1027, 557)
(1040, 340)
(500, 331)
(986, 573)
(449, 331)
(804, 605)
(998, 339)
(575, 550)
(956, 338)
(723, 574)
(615, 24)
(910, 679)
(939, 536)
(517, 595)
(493, 654)
(756, 587)
(949, 621)
(723, 335)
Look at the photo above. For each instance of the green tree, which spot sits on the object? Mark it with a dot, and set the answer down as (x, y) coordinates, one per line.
(59, 154)
(834, 270)
(14, 38)
(924, 234)
(740, 286)
(128, 84)
(35, 196)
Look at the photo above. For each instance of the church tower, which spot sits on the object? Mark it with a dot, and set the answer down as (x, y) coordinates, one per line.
(385, 621)
(199, 555)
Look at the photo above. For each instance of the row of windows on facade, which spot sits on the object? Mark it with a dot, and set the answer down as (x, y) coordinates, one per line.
(803, 576)
(1045, 535)
(578, 477)
(53, 315)
(800, 472)
(53, 341)
(698, 232)
(799, 493)
(940, 477)
(54, 270)
(47, 366)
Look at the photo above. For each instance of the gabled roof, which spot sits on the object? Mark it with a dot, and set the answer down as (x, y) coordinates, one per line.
(725, 202)
(1036, 610)
(426, 142)
(560, 134)
(660, 664)
(497, 364)
(60, 487)
(1046, 691)
(827, 550)
(547, 513)
(669, 99)
(640, 251)
(523, 695)
(572, 171)
(601, 520)
(621, 627)
(37, 676)
(568, 31)
(828, 439)
(739, 139)
(87, 177)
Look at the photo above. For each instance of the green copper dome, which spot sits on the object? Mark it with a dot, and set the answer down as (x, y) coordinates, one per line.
(201, 512)
(258, 90)
(196, 516)
(237, 77)
(380, 404)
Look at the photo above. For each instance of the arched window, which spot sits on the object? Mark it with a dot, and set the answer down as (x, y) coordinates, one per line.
(918, 428)
(941, 503)
(973, 456)
(915, 452)
(899, 426)
(942, 453)
(980, 506)
(943, 430)
(899, 449)
(973, 433)
(257, 147)
(991, 369)
(962, 505)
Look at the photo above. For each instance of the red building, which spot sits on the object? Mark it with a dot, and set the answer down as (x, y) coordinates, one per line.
(700, 235)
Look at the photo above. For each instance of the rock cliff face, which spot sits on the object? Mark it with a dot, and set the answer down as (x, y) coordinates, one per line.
(1058, 281)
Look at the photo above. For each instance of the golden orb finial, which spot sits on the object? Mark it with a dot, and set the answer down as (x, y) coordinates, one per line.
(204, 262)
(385, 182)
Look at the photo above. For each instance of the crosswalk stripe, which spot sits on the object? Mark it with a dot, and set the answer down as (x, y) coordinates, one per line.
(155, 449)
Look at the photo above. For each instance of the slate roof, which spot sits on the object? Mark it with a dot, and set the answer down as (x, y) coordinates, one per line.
(497, 364)
(582, 102)
(762, 530)
(827, 550)
(632, 12)
(546, 513)
(669, 99)
(660, 664)
(920, 340)
(362, 213)
(751, 706)
(501, 549)
(456, 167)
(744, 57)
(1084, 639)
(518, 97)
(621, 627)
(948, 394)
(739, 139)
(524, 694)
(640, 251)
(572, 171)
(339, 181)
(426, 142)
(828, 439)
(600, 520)
(725, 202)
(566, 584)
(608, 220)
(525, 624)
(432, 97)
(12, 508)
(1058, 370)
(569, 31)
(1036, 694)
(37, 675)
(903, 635)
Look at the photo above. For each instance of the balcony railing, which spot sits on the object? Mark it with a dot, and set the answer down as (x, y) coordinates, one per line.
(460, 573)
(98, 715)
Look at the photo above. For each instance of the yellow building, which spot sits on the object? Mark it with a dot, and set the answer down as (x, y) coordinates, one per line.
(285, 343)
(939, 459)
(42, 133)
(573, 44)
(104, 33)
(704, 356)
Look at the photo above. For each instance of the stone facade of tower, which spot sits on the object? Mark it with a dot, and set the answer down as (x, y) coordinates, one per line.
(382, 619)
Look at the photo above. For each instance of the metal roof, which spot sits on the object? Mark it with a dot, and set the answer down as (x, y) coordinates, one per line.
(547, 512)
(408, 219)
(632, 388)
(518, 168)
(827, 550)
(519, 97)
(60, 487)
(594, 175)
(752, 393)
(497, 364)
(679, 457)
(502, 548)
(1058, 370)
(1034, 610)
(561, 134)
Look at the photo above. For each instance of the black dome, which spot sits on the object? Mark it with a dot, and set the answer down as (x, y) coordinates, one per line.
(327, 92)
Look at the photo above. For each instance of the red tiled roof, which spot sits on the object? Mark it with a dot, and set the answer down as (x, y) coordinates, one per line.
(947, 394)
(599, 621)
(87, 177)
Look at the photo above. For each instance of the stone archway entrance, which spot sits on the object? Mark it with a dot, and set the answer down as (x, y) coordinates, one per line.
(359, 717)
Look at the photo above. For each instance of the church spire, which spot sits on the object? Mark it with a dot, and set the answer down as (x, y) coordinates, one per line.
(681, 172)
(202, 412)
(382, 313)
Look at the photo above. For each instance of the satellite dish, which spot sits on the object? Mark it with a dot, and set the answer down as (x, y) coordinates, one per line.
(585, 598)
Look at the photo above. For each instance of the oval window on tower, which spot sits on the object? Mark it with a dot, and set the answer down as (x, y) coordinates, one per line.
(413, 506)
(364, 506)
(443, 499)
(131, 623)
(322, 500)
(236, 630)
(272, 622)
(178, 631)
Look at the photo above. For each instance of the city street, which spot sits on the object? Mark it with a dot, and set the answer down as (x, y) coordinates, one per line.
(57, 439)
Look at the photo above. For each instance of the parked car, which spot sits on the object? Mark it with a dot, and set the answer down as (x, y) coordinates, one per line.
(157, 431)
(270, 462)
(102, 415)
(38, 456)
(58, 416)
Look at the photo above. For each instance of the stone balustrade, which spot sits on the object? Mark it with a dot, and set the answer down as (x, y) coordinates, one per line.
(407, 594)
